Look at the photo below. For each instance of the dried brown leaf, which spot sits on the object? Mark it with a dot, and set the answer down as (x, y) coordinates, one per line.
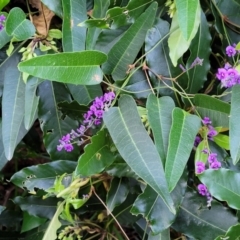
(43, 19)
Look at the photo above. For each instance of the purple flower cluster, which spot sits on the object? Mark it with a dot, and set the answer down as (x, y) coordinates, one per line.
(228, 75)
(92, 117)
(202, 189)
(2, 20)
(211, 131)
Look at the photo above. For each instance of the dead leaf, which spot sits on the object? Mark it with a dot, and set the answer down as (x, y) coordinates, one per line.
(43, 20)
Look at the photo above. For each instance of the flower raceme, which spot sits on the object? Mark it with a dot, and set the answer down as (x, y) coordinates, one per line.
(228, 75)
(92, 117)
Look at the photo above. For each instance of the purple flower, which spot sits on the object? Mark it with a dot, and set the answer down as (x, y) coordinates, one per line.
(205, 150)
(202, 189)
(222, 74)
(227, 66)
(215, 165)
(2, 18)
(182, 67)
(230, 51)
(211, 132)
(197, 61)
(92, 116)
(1, 27)
(206, 121)
(212, 158)
(197, 141)
(200, 167)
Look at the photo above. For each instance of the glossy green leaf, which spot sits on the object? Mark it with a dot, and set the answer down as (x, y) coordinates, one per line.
(160, 119)
(97, 155)
(4, 38)
(188, 13)
(77, 67)
(224, 185)
(42, 176)
(18, 26)
(30, 222)
(73, 38)
(232, 233)
(99, 11)
(177, 44)
(53, 123)
(36, 206)
(126, 49)
(84, 94)
(217, 110)
(157, 57)
(202, 223)
(234, 126)
(222, 141)
(182, 135)
(136, 147)
(117, 193)
(55, 6)
(3, 3)
(12, 106)
(137, 85)
(54, 225)
(200, 47)
(152, 207)
(165, 235)
(31, 102)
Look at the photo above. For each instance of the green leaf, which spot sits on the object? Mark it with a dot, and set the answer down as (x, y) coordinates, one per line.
(42, 176)
(4, 38)
(3, 3)
(30, 222)
(53, 123)
(36, 206)
(18, 26)
(117, 193)
(84, 94)
(200, 155)
(10, 218)
(188, 17)
(160, 119)
(202, 223)
(77, 67)
(177, 44)
(200, 47)
(12, 106)
(152, 207)
(222, 141)
(224, 185)
(157, 57)
(217, 110)
(31, 102)
(234, 126)
(55, 6)
(232, 233)
(126, 49)
(97, 155)
(165, 235)
(99, 11)
(94, 23)
(136, 147)
(54, 225)
(182, 135)
(73, 39)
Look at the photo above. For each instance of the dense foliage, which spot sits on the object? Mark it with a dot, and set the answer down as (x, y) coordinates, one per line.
(120, 119)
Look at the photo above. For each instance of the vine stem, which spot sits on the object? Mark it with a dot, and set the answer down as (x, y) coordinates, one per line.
(125, 235)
